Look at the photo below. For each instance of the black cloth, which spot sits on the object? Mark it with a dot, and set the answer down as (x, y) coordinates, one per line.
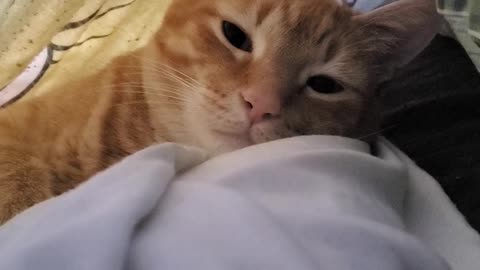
(432, 112)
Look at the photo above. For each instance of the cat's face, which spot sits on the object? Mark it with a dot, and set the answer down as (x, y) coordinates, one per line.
(252, 71)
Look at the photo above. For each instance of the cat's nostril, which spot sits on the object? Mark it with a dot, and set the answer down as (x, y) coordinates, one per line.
(267, 116)
(249, 105)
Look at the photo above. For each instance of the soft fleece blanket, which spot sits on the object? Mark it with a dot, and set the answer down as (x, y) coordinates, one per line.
(303, 203)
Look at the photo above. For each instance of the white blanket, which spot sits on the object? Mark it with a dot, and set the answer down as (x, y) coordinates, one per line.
(303, 203)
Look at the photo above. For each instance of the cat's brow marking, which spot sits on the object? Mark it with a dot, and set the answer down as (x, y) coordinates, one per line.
(263, 11)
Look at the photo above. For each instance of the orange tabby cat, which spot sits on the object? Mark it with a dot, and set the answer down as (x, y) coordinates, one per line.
(220, 75)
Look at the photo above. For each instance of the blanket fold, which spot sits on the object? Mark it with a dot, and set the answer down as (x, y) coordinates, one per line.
(314, 202)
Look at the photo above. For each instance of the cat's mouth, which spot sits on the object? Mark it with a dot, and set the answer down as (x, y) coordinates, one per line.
(234, 140)
(255, 134)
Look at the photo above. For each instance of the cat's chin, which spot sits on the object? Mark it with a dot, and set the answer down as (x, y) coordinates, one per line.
(224, 142)
(220, 142)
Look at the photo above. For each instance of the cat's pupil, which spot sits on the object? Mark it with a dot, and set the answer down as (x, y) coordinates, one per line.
(237, 37)
(324, 85)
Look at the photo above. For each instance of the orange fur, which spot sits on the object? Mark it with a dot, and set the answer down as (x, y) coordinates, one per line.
(190, 86)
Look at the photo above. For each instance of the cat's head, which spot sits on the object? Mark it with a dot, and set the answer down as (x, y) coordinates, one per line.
(251, 71)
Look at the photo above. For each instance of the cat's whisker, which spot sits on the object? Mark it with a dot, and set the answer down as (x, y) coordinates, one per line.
(160, 108)
(146, 89)
(176, 70)
(160, 95)
(139, 70)
(156, 90)
(376, 133)
(186, 86)
(141, 102)
(195, 109)
(194, 88)
(193, 82)
(170, 74)
(156, 67)
(207, 93)
(157, 64)
(158, 102)
(178, 78)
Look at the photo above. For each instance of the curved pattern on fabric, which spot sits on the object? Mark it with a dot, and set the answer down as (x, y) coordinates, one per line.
(79, 43)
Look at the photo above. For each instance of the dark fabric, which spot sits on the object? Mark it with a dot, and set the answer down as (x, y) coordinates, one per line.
(432, 112)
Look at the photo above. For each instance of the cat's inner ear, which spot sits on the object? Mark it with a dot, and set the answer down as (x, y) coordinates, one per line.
(397, 32)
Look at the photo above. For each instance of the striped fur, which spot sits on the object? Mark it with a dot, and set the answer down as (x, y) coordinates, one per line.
(186, 86)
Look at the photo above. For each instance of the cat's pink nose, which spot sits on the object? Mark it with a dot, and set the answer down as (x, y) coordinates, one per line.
(261, 106)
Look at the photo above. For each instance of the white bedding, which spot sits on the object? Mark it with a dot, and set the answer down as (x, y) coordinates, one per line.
(314, 202)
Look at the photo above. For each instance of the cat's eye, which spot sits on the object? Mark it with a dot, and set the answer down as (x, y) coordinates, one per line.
(324, 85)
(237, 37)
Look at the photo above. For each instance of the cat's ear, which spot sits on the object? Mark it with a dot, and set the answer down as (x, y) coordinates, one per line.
(399, 31)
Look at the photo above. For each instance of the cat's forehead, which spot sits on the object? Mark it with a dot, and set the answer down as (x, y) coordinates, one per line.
(286, 29)
(285, 21)
(258, 11)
